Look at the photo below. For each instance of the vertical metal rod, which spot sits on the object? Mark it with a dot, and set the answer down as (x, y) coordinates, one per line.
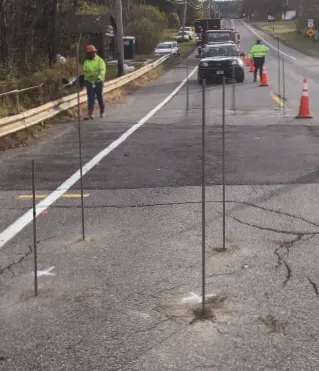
(279, 82)
(187, 88)
(35, 250)
(80, 134)
(283, 87)
(223, 165)
(234, 91)
(203, 193)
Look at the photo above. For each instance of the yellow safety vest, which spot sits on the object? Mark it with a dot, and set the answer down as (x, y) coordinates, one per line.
(94, 69)
(258, 51)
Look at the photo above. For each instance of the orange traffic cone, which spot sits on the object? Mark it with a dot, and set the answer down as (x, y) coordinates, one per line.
(251, 65)
(264, 78)
(248, 61)
(304, 107)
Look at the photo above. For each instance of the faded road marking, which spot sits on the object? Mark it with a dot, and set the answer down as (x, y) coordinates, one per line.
(46, 272)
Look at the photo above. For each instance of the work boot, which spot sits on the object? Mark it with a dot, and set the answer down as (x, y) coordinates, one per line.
(89, 116)
(101, 114)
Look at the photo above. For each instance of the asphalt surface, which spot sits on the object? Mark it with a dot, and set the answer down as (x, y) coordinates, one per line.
(119, 300)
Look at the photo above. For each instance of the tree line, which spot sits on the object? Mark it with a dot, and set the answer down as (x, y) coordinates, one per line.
(262, 8)
(34, 31)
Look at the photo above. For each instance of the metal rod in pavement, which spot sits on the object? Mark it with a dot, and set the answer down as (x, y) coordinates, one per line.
(223, 165)
(80, 134)
(187, 88)
(279, 82)
(283, 87)
(234, 91)
(35, 250)
(203, 193)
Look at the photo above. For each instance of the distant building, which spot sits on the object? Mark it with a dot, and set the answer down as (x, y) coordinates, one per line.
(97, 30)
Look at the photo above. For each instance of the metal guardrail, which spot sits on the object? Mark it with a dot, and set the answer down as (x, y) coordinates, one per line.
(34, 116)
(16, 92)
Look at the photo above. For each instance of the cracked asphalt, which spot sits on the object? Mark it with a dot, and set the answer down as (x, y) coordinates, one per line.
(117, 301)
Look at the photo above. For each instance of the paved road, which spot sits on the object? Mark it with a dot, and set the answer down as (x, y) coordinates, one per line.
(122, 300)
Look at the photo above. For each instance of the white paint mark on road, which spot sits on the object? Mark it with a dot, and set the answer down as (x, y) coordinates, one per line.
(195, 298)
(46, 272)
(27, 218)
(266, 42)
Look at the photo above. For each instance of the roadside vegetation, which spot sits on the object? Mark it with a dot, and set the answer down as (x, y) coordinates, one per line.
(288, 34)
(29, 44)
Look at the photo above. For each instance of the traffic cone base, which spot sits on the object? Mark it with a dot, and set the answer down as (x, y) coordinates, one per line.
(304, 107)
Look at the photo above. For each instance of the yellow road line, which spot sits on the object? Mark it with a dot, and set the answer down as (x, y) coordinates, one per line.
(69, 195)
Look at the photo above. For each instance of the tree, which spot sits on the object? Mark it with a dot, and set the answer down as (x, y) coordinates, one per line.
(147, 25)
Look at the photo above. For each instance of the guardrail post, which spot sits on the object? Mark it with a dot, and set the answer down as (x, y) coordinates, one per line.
(17, 101)
(41, 93)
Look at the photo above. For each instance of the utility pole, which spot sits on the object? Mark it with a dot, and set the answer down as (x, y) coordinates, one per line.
(210, 9)
(119, 37)
(184, 19)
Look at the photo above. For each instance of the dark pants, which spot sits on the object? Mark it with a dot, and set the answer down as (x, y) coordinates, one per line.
(92, 92)
(259, 64)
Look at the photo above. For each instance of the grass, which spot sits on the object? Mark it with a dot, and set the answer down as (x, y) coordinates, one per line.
(287, 33)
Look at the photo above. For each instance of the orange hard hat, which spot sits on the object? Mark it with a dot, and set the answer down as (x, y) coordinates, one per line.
(90, 49)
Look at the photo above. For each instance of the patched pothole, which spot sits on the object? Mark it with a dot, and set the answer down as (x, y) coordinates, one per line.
(273, 324)
(189, 310)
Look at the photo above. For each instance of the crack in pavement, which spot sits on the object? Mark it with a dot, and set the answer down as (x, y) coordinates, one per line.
(269, 229)
(281, 257)
(180, 203)
(287, 245)
(289, 272)
(314, 285)
(11, 265)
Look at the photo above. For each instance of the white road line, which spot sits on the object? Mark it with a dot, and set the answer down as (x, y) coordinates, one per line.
(17, 226)
(266, 42)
